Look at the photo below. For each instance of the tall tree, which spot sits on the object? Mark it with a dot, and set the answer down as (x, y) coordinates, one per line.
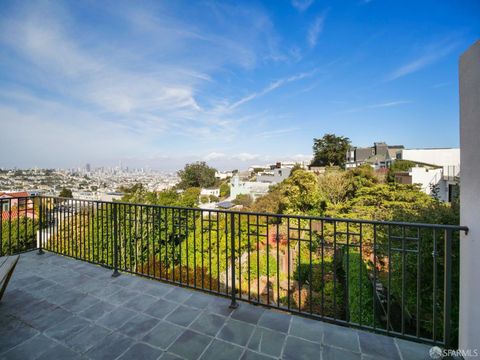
(330, 150)
(197, 174)
(66, 193)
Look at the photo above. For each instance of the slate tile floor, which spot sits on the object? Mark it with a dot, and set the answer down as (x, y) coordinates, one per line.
(59, 308)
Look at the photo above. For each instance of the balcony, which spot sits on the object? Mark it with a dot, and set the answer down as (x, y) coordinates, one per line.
(59, 308)
(218, 284)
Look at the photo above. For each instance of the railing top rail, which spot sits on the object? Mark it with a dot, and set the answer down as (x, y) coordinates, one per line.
(304, 217)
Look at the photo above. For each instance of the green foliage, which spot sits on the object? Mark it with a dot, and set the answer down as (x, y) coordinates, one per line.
(224, 190)
(300, 195)
(330, 150)
(359, 289)
(67, 193)
(18, 235)
(168, 197)
(334, 186)
(243, 199)
(398, 166)
(197, 174)
(258, 265)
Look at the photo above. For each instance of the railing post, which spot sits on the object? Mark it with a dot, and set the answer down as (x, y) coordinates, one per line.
(40, 228)
(447, 288)
(233, 304)
(115, 242)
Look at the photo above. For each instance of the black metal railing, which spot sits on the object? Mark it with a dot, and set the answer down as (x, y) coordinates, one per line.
(394, 278)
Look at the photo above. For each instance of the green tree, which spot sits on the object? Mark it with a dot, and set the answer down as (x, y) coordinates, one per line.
(224, 190)
(300, 195)
(197, 174)
(330, 150)
(67, 193)
(244, 200)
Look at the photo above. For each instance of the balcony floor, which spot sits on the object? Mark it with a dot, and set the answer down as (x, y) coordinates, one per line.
(60, 308)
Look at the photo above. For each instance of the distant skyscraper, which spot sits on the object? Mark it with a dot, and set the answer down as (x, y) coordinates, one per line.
(87, 168)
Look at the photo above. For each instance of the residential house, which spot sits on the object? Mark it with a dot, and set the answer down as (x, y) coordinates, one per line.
(379, 156)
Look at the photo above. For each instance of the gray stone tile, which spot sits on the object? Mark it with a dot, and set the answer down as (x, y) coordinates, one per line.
(341, 337)
(67, 328)
(267, 342)
(42, 284)
(48, 319)
(80, 303)
(219, 306)
(30, 349)
(160, 308)
(126, 281)
(105, 290)
(208, 323)
(31, 313)
(178, 295)
(140, 302)
(250, 355)
(86, 338)
(66, 297)
(198, 300)
(299, 349)
(97, 310)
(221, 350)
(190, 345)
(377, 345)
(183, 315)
(141, 351)
(159, 290)
(248, 313)
(237, 332)
(412, 350)
(331, 353)
(306, 328)
(122, 296)
(170, 356)
(59, 352)
(115, 319)
(163, 335)
(110, 347)
(275, 321)
(138, 326)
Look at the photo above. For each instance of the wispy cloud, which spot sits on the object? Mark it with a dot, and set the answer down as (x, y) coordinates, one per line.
(315, 29)
(302, 5)
(431, 54)
(387, 104)
(271, 87)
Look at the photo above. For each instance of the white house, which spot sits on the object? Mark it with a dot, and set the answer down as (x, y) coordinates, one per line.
(253, 188)
(210, 192)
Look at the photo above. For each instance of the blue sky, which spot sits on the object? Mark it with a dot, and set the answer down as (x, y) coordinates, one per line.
(162, 83)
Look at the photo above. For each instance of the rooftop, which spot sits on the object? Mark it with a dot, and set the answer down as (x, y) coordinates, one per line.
(59, 308)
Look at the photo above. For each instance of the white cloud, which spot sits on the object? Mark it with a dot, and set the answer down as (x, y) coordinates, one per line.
(302, 5)
(271, 87)
(315, 29)
(387, 104)
(431, 54)
(214, 156)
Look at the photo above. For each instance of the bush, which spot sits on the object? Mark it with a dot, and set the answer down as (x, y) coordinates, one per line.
(359, 289)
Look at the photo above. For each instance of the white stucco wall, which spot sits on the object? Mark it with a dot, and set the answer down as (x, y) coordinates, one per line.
(424, 177)
(440, 157)
(469, 332)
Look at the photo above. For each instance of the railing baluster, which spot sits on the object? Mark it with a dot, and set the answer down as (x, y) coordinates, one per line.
(233, 304)
(115, 241)
(447, 291)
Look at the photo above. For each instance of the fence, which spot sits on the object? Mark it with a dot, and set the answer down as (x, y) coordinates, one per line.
(395, 278)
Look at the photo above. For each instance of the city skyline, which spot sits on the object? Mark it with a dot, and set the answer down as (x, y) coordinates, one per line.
(164, 84)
